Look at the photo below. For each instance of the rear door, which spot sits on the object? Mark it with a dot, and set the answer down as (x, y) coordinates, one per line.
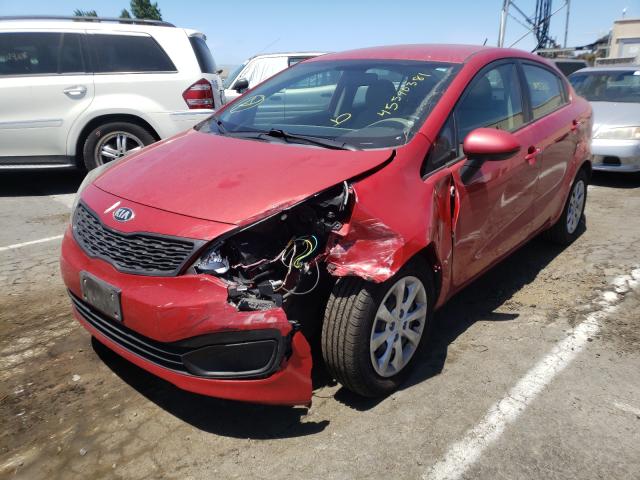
(45, 85)
(134, 74)
(494, 199)
(554, 130)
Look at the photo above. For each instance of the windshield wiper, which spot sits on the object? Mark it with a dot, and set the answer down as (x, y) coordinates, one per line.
(321, 142)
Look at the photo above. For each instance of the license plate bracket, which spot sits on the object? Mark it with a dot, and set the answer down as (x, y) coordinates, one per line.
(101, 295)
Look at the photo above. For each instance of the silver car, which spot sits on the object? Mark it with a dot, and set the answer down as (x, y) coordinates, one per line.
(614, 93)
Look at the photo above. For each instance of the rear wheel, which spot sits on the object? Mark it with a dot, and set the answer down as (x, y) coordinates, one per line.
(566, 230)
(111, 141)
(372, 332)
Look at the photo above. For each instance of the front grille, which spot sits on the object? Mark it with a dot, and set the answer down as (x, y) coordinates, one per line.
(163, 354)
(137, 253)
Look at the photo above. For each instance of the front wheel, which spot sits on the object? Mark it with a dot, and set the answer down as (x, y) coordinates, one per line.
(372, 332)
(566, 230)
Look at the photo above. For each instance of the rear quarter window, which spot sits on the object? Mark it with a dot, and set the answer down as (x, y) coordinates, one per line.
(203, 54)
(128, 54)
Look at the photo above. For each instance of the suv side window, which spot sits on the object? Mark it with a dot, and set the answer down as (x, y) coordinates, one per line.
(493, 100)
(129, 53)
(546, 90)
(40, 53)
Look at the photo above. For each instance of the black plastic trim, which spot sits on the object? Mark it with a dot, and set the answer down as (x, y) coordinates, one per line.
(175, 355)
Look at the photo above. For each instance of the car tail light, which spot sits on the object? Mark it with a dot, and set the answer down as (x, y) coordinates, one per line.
(199, 95)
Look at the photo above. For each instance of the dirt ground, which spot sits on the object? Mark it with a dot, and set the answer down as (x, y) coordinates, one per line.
(72, 409)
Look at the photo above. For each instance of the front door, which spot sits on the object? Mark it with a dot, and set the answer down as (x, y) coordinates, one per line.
(494, 198)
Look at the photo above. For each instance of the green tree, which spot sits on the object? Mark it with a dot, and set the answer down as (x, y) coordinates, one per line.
(144, 9)
(84, 13)
(125, 13)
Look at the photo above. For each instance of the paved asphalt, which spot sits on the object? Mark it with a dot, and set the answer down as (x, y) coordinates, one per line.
(532, 372)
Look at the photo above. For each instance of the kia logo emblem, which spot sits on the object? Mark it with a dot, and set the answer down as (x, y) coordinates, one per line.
(123, 214)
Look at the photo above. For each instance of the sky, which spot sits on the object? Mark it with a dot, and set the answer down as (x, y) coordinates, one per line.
(238, 30)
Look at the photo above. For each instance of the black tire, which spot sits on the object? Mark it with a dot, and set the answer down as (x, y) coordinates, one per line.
(347, 327)
(101, 131)
(559, 233)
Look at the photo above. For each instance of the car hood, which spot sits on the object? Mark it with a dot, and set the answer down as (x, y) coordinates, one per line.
(228, 179)
(615, 114)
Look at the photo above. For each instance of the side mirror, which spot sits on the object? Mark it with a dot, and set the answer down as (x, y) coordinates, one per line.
(241, 85)
(490, 144)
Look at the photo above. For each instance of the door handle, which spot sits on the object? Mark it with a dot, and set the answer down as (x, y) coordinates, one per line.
(532, 154)
(76, 91)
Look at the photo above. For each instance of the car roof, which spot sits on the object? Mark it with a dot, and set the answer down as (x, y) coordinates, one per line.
(606, 68)
(450, 53)
(287, 54)
(82, 23)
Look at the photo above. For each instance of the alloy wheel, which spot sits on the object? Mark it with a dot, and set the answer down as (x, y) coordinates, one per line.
(398, 326)
(576, 206)
(115, 145)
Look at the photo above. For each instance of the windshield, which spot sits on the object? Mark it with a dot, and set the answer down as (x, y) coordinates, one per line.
(232, 76)
(611, 86)
(363, 103)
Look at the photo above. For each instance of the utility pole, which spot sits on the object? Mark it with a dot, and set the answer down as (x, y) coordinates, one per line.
(566, 24)
(504, 13)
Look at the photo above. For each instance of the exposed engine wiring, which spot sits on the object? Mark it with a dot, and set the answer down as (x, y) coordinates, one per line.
(294, 292)
(295, 260)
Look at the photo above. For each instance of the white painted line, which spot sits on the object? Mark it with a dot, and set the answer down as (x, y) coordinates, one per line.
(65, 199)
(32, 242)
(627, 408)
(464, 453)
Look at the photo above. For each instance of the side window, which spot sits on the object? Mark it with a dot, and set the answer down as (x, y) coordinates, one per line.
(493, 100)
(442, 150)
(203, 55)
(40, 53)
(293, 60)
(71, 57)
(320, 79)
(129, 53)
(545, 88)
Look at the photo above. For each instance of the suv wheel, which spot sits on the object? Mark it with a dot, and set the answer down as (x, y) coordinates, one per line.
(371, 332)
(111, 141)
(566, 230)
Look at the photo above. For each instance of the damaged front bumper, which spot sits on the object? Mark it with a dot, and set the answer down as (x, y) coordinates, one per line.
(188, 334)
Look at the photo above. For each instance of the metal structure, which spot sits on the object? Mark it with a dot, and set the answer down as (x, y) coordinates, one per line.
(538, 23)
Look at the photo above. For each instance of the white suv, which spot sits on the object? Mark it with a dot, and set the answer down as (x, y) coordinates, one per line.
(81, 91)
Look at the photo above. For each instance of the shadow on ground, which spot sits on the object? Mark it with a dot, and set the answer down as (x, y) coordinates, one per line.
(231, 419)
(35, 183)
(476, 302)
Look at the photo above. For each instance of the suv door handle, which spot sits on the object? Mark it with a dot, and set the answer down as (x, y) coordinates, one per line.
(76, 91)
(532, 154)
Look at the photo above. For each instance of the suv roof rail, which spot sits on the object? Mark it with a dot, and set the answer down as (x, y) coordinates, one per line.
(135, 21)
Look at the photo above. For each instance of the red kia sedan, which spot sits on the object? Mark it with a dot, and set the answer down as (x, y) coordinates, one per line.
(344, 199)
